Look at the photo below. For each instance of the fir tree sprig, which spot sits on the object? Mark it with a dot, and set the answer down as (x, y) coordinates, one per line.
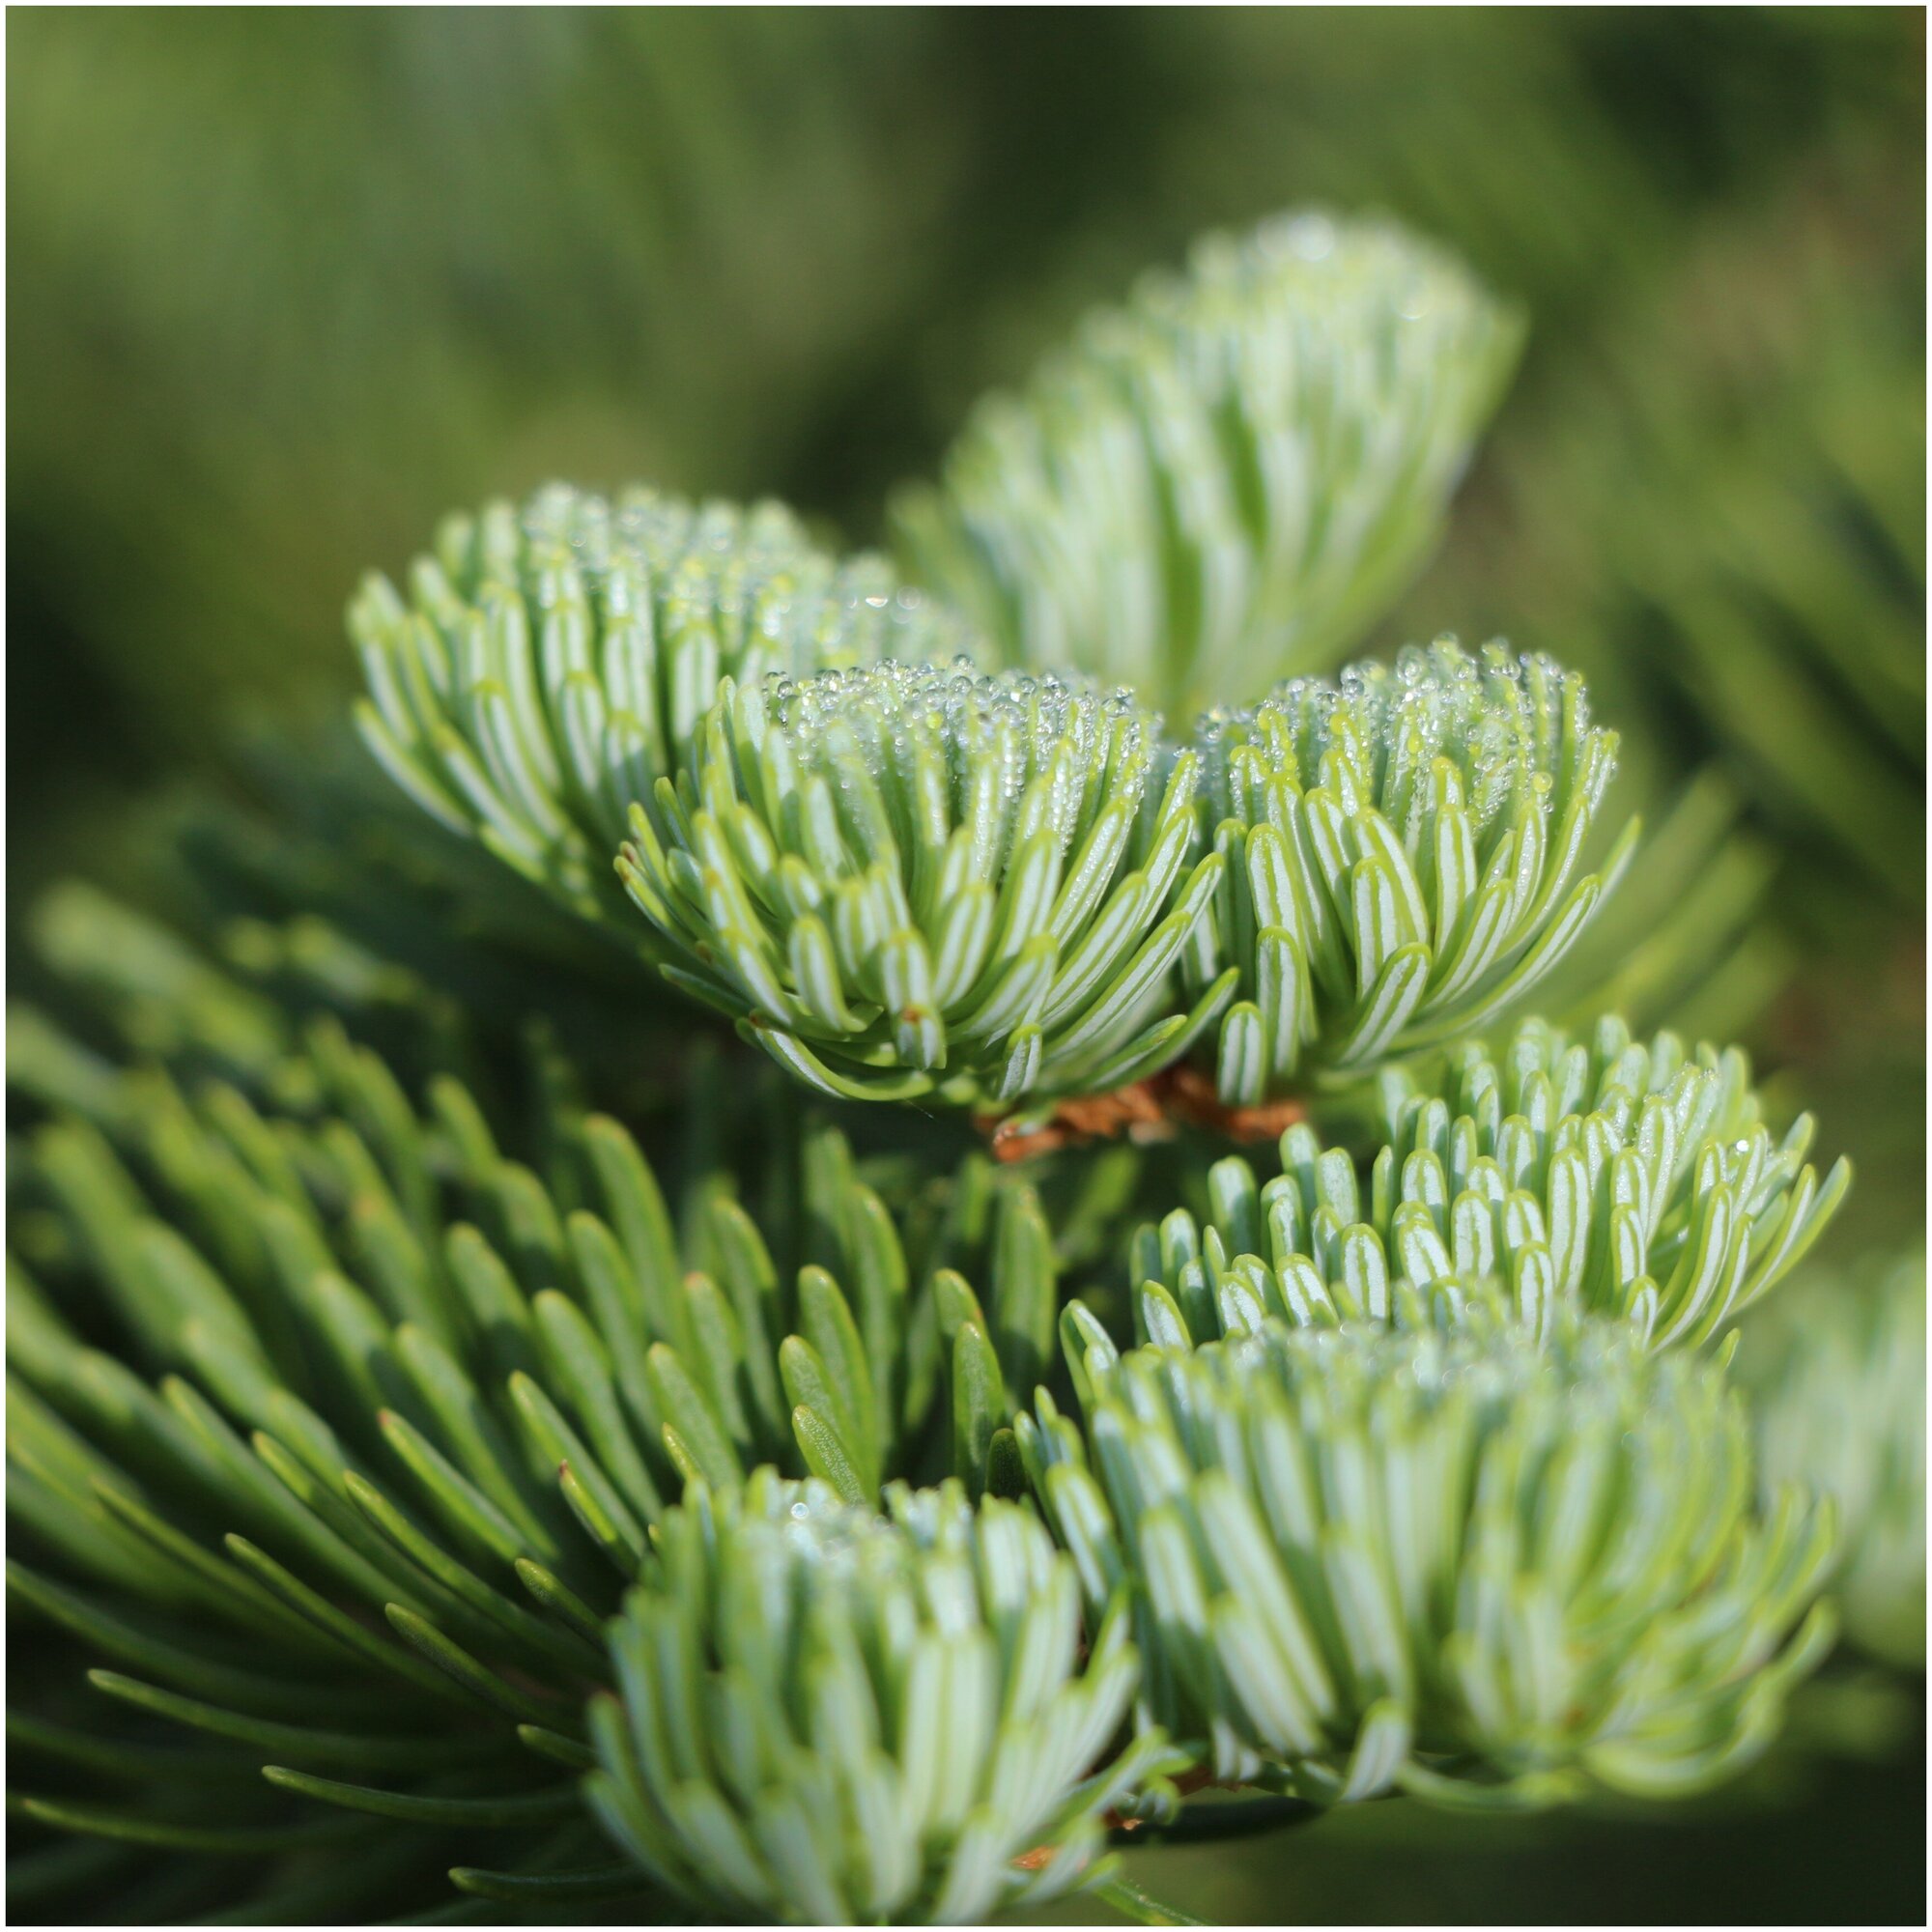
(1402, 855)
(1637, 1180)
(911, 880)
(1222, 482)
(1484, 1567)
(551, 662)
(832, 1716)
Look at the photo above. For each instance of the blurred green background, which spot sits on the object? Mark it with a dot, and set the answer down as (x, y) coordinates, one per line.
(287, 286)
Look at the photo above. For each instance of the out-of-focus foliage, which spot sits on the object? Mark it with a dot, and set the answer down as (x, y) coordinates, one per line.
(1839, 1375)
(1743, 528)
(302, 283)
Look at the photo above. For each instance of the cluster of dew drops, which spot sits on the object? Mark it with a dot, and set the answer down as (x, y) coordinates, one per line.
(826, 1531)
(885, 712)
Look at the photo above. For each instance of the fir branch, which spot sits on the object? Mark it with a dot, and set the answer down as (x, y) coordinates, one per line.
(904, 881)
(436, 1453)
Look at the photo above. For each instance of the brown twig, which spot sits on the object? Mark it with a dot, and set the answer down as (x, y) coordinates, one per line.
(1148, 1110)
